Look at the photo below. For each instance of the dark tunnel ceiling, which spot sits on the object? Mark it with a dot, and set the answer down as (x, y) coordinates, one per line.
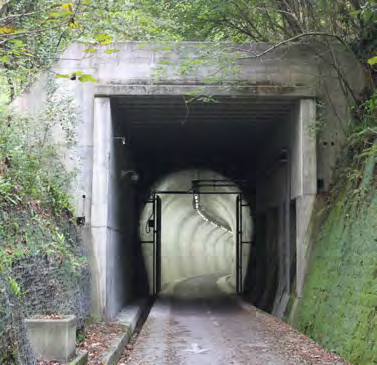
(161, 130)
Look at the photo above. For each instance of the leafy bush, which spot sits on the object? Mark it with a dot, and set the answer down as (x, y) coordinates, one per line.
(43, 267)
(30, 158)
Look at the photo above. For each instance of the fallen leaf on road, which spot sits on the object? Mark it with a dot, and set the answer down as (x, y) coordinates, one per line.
(196, 349)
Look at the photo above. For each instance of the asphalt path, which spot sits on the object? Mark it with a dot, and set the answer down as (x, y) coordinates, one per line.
(198, 324)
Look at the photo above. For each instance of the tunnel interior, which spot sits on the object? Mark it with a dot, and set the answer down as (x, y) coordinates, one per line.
(163, 142)
(195, 216)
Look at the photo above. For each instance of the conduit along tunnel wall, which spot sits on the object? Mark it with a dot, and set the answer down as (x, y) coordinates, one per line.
(204, 157)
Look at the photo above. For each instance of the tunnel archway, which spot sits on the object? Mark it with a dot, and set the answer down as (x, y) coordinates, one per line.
(262, 143)
(201, 231)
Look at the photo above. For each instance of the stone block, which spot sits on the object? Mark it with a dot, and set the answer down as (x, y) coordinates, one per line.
(52, 339)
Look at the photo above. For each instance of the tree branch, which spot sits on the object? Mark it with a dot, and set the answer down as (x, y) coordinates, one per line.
(248, 21)
(15, 16)
(5, 38)
(299, 36)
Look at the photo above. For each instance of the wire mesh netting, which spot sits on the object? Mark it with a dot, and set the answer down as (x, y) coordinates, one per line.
(44, 272)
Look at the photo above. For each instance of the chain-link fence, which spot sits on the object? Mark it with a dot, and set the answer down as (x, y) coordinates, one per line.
(46, 273)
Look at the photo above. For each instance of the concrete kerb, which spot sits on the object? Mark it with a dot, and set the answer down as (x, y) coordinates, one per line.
(81, 358)
(112, 356)
(129, 318)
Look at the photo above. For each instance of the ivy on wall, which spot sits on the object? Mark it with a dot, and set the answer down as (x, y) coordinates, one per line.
(339, 306)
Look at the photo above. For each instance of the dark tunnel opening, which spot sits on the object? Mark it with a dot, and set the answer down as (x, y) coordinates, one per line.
(240, 138)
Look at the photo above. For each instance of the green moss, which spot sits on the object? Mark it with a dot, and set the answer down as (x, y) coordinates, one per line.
(339, 306)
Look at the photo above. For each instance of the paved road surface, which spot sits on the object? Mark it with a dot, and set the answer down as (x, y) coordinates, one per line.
(200, 325)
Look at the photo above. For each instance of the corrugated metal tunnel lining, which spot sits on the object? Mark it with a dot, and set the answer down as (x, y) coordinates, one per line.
(239, 138)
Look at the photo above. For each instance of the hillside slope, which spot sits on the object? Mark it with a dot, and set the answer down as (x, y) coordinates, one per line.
(339, 307)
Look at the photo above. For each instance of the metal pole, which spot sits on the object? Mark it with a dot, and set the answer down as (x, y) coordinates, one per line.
(237, 245)
(241, 244)
(158, 218)
(288, 225)
(281, 247)
(154, 243)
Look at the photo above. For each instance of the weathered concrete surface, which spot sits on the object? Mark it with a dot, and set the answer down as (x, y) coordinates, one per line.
(285, 72)
(130, 315)
(129, 318)
(81, 358)
(52, 339)
(200, 325)
(296, 137)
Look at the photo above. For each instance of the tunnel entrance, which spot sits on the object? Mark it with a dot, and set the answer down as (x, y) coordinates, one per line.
(221, 215)
(261, 142)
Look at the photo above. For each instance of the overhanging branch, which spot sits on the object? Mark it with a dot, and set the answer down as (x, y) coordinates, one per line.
(292, 39)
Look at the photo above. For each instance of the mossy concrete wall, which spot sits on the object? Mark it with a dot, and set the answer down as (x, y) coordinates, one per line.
(339, 305)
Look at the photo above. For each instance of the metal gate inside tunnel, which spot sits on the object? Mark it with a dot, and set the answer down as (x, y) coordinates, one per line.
(153, 228)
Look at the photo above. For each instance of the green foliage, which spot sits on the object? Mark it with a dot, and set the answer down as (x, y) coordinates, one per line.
(31, 166)
(33, 33)
(77, 75)
(339, 306)
(80, 335)
(6, 194)
(30, 35)
(34, 222)
(42, 271)
(372, 61)
(338, 309)
(317, 126)
(254, 20)
(15, 287)
(39, 235)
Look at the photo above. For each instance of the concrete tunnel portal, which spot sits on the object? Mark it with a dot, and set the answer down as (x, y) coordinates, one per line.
(158, 142)
(261, 133)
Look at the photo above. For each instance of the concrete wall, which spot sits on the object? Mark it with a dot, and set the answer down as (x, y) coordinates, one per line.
(286, 72)
(112, 213)
(287, 172)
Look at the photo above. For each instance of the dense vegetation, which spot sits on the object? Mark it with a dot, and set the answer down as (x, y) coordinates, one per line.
(338, 309)
(32, 33)
(339, 305)
(33, 182)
